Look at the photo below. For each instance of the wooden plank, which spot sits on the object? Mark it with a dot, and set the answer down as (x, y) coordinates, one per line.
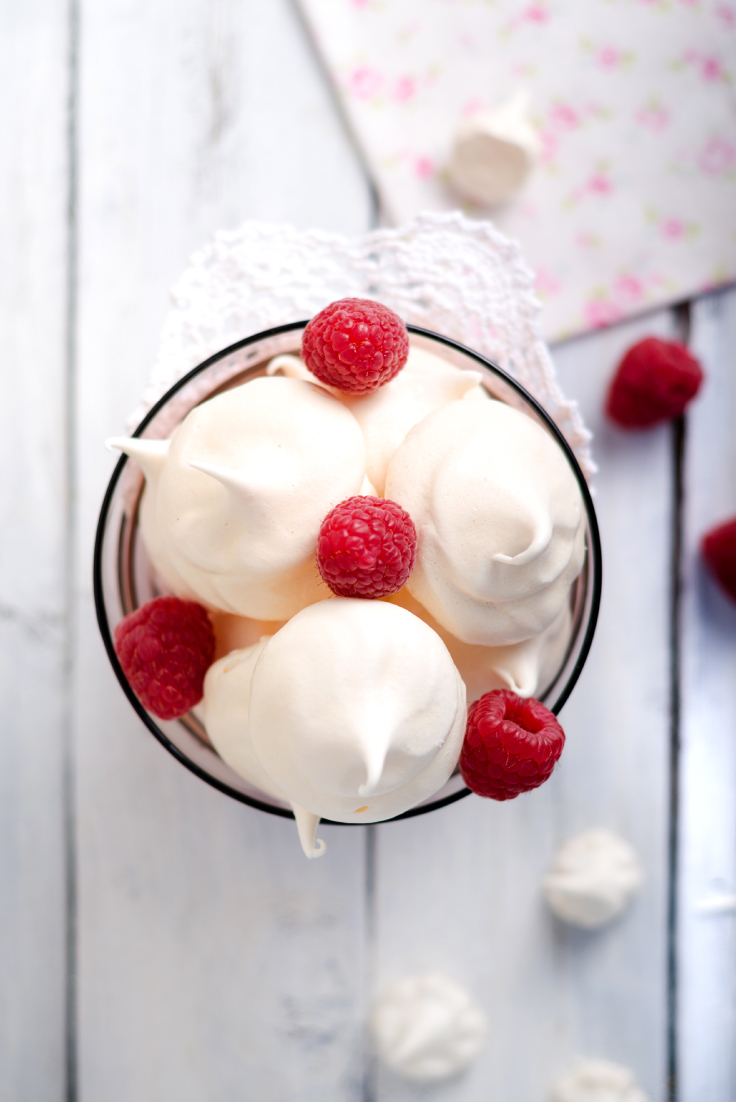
(33, 230)
(707, 923)
(459, 890)
(215, 960)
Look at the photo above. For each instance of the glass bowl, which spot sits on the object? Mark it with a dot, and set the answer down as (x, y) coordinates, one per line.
(123, 579)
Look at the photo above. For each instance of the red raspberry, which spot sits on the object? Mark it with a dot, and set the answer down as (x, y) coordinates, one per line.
(718, 548)
(511, 745)
(355, 345)
(165, 648)
(366, 547)
(654, 382)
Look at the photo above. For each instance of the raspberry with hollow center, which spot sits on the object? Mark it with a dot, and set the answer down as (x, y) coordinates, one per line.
(355, 345)
(718, 548)
(165, 648)
(511, 745)
(654, 382)
(366, 547)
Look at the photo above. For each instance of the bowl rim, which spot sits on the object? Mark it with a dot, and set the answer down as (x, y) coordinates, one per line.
(593, 550)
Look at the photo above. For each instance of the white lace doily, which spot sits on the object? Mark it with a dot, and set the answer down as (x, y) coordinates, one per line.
(441, 271)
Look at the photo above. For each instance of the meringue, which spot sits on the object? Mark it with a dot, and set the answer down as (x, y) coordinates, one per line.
(593, 879)
(597, 1081)
(241, 490)
(238, 632)
(499, 517)
(357, 712)
(225, 711)
(523, 667)
(150, 455)
(385, 415)
(428, 1027)
(494, 152)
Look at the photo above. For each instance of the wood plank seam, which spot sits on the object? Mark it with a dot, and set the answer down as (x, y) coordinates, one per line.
(70, 556)
(678, 444)
(376, 217)
(371, 950)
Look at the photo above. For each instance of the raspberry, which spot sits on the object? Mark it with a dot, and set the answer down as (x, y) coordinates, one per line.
(718, 548)
(511, 745)
(355, 345)
(366, 547)
(654, 382)
(165, 648)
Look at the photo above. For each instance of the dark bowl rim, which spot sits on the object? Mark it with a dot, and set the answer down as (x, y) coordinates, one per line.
(594, 550)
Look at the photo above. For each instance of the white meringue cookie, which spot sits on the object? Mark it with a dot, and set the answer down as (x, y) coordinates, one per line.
(428, 1027)
(593, 878)
(426, 382)
(597, 1081)
(494, 152)
(523, 667)
(150, 455)
(245, 482)
(551, 649)
(385, 415)
(499, 517)
(293, 367)
(357, 712)
(225, 710)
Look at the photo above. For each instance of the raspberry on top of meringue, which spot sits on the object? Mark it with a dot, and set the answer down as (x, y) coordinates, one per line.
(366, 548)
(355, 345)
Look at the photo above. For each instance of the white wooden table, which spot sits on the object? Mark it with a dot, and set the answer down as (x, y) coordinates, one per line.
(161, 943)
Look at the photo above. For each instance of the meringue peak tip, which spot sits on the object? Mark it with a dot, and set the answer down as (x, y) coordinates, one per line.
(375, 768)
(541, 536)
(137, 447)
(224, 475)
(374, 759)
(245, 483)
(117, 443)
(306, 824)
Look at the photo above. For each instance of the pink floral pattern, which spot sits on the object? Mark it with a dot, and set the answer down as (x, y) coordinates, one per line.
(717, 157)
(598, 184)
(653, 115)
(363, 82)
(403, 89)
(626, 293)
(606, 55)
(727, 15)
(633, 202)
(710, 66)
(547, 284)
(424, 167)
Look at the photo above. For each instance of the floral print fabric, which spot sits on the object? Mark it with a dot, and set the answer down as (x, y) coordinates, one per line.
(633, 202)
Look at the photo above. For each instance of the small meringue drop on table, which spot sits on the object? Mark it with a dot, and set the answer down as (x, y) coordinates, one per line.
(598, 1081)
(593, 879)
(428, 1027)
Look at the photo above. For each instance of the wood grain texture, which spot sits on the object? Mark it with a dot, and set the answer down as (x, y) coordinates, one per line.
(707, 927)
(33, 231)
(215, 961)
(459, 890)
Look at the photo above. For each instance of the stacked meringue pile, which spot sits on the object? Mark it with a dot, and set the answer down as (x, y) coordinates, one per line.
(389, 542)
